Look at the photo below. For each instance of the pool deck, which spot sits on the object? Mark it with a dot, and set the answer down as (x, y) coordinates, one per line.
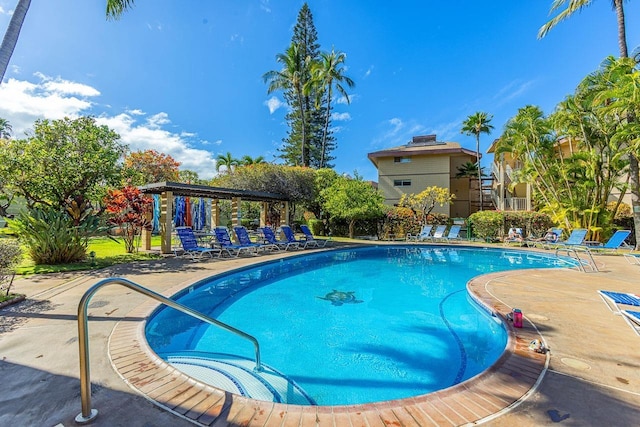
(590, 376)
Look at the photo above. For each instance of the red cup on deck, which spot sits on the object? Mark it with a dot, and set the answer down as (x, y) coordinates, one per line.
(517, 318)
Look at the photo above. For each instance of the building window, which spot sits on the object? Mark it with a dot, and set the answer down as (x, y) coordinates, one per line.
(402, 183)
(402, 159)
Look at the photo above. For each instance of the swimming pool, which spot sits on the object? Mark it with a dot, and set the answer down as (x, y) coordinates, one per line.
(343, 327)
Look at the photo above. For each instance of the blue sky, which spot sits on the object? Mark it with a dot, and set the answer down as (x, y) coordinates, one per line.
(185, 78)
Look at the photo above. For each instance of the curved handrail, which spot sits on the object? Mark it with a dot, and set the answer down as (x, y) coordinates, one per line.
(88, 414)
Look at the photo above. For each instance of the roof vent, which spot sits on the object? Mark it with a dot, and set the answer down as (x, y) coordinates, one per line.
(425, 140)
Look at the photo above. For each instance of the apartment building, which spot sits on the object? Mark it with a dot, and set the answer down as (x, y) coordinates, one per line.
(424, 162)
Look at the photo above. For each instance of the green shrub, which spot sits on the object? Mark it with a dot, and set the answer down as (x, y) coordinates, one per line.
(486, 225)
(51, 237)
(316, 226)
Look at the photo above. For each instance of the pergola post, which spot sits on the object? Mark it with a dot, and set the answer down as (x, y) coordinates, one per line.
(146, 232)
(236, 215)
(264, 210)
(215, 213)
(166, 208)
(284, 214)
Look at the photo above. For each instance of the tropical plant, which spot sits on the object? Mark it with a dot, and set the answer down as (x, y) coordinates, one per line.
(352, 200)
(5, 129)
(115, 8)
(10, 257)
(486, 225)
(128, 210)
(64, 160)
(51, 237)
(190, 177)
(424, 202)
(148, 166)
(329, 72)
(574, 6)
(292, 77)
(248, 160)
(477, 124)
(226, 160)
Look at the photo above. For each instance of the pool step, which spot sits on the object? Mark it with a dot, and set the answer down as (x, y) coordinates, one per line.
(237, 375)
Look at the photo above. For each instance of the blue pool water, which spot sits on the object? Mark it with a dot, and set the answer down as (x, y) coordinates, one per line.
(343, 327)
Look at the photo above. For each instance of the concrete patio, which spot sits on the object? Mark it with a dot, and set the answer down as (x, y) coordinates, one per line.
(592, 378)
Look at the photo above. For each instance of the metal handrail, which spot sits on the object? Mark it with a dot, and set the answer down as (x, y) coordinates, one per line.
(88, 414)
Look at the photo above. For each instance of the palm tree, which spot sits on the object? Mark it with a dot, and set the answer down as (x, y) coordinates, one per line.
(115, 8)
(11, 35)
(329, 72)
(248, 160)
(577, 6)
(634, 166)
(5, 129)
(292, 76)
(475, 125)
(227, 161)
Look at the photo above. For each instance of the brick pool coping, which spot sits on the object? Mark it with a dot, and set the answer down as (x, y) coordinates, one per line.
(489, 394)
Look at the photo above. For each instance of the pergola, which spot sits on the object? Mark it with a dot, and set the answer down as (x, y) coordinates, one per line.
(168, 190)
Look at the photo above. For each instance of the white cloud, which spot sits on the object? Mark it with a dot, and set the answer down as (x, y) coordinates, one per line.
(368, 72)
(343, 100)
(341, 117)
(512, 91)
(5, 12)
(23, 102)
(273, 104)
(264, 5)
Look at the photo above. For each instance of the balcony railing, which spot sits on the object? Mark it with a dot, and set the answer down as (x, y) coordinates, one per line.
(516, 204)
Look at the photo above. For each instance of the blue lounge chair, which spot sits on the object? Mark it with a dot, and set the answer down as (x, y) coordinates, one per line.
(576, 238)
(224, 240)
(613, 299)
(291, 238)
(424, 234)
(615, 242)
(270, 237)
(438, 234)
(321, 243)
(453, 234)
(243, 238)
(190, 246)
(633, 319)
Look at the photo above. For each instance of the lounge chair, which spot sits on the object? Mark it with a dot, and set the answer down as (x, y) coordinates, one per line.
(190, 246)
(321, 243)
(615, 242)
(632, 258)
(424, 234)
(438, 234)
(453, 234)
(243, 238)
(576, 238)
(291, 238)
(514, 236)
(224, 240)
(633, 319)
(270, 237)
(613, 299)
(551, 237)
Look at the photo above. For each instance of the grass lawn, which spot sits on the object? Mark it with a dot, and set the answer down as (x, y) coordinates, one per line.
(108, 252)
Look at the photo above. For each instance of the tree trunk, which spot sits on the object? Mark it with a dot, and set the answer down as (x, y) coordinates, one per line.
(326, 126)
(622, 35)
(479, 171)
(11, 36)
(352, 228)
(635, 196)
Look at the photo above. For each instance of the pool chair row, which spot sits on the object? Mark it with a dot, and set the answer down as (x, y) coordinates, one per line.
(219, 242)
(614, 301)
(577, 240)
(440, 234)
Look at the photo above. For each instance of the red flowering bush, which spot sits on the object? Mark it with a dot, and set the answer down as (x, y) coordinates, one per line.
(127, 209)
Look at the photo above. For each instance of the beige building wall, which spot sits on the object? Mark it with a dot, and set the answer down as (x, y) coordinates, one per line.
(424, 171)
